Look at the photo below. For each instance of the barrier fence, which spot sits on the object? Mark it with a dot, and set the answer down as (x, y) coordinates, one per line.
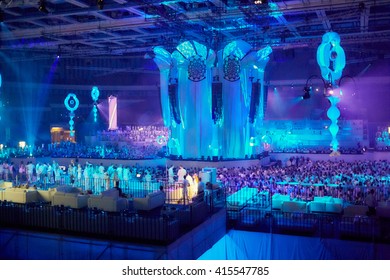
(161, 225)
(364, 228)
(247, 208)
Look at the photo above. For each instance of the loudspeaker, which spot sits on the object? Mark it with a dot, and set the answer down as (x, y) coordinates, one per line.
(215, 158)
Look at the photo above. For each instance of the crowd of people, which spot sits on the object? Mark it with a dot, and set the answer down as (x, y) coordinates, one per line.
(319, 150)
(299, 177)
(303, 178)
(382, 138)
(88, 176)
(150, 134)
(67, 149)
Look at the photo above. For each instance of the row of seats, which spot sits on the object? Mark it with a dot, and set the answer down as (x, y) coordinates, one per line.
(327, 205)
(67, 197)
(72, 197)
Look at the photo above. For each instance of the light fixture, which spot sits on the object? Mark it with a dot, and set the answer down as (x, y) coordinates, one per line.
(58, 53)
(22, 144)
(308, 89)
(306, 92)
(100, 4)
(260, 2)
(42, 7)
(328, 90)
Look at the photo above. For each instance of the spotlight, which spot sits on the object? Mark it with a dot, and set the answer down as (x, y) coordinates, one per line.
(22, 144)
(306, 92)
(58, 53)
(260, 2)
(100, 4)
(42, 7)
(328, 90)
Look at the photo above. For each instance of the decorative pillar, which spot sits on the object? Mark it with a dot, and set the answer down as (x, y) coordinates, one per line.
(333, 114)
(112, 113)
(95, 96)
(331, 59)
(71, 103)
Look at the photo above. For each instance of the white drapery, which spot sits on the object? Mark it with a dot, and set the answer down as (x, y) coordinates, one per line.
(192, 65)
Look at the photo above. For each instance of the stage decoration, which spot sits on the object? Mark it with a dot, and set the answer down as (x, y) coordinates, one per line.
(333, 114)
(71, 103)
(161, 140)
(95, 96)
(173, 102)
(0, 100)
(331, 57)
(243, 95)
(266, 142)
(112, 112)
(252, 142)
(203, 111)
(231, 68)
(196, 68)
(217, 103)
(255, 102)
(192, 64)
(164, 62)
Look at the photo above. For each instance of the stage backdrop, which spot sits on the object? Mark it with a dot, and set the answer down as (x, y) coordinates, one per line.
(186, 78)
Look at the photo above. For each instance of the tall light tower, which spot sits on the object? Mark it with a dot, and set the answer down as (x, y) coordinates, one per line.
(112, 113)
(331, 59)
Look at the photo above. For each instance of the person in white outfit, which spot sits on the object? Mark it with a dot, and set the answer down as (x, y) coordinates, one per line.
(126, 176)
(57, 174)
(171, 175)
(79, 174)
(107, 180)
(181, 173)
(30, 172)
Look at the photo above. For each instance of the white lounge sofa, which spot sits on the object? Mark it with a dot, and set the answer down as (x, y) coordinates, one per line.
(108, 201)
(278, 199)
(294, 207)
(46, 195)
(5, 184)
(326, 204)
(67, 197)
(149, 202)
(20, 195)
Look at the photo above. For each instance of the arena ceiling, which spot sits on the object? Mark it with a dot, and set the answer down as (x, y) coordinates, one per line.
(80, 28)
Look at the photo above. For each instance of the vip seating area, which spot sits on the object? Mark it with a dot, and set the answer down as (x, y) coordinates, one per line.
(150, 201)
(325, 216)
(150, 219)
(364, 228)
(326, 204)
(153, 219)
(108, 201)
